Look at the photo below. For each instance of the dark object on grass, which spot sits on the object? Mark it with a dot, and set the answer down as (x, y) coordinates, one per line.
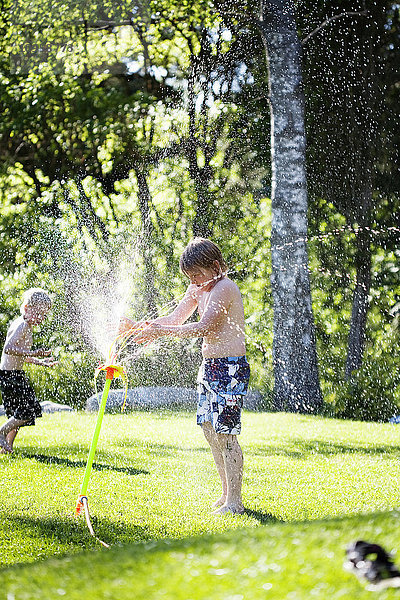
(371, 562)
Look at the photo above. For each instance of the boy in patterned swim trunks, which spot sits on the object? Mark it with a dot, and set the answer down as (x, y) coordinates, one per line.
(224, 374)
(18, 397)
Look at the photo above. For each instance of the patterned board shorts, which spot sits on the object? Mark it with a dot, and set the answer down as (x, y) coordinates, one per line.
(19, 397)
(222, 384)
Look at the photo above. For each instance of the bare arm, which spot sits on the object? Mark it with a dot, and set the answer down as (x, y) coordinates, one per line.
(216, 310)
(49, 361)
(182, 312)
(18, 343)
(16, 351)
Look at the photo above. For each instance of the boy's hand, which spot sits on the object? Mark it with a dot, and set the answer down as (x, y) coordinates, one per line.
(148, 332)
(41, 352)
(48, 362)
(125, 324)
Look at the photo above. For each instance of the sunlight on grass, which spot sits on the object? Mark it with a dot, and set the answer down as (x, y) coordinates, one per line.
(153, 478)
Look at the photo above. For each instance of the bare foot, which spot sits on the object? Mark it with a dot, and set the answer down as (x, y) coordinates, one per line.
(6, 448)
(235, 509)
(220, 502)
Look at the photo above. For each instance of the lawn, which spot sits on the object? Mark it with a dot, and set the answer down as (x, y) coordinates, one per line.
(311, 486)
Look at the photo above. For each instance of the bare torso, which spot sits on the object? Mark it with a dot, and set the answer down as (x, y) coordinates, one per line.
(227, 338)
(221, 323)
(19, 335)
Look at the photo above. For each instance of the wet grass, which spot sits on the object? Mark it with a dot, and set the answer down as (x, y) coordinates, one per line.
(311, 486)
(293, 561)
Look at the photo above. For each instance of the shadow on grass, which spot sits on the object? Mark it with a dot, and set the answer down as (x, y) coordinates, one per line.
(135, 545)
(70, 533)
(301, 449)
(263, 517)
(67, 462)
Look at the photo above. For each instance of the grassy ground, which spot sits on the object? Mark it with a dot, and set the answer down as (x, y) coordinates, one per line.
(314, 484)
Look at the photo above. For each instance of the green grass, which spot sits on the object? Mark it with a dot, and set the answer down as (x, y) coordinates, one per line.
(311, 486)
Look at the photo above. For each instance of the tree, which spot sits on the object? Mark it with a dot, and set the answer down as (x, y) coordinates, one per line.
(350, 71)
(296, 385)
(295, 360)
(89, 128)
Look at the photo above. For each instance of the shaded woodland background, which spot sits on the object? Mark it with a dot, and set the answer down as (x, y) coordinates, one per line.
(127, 128)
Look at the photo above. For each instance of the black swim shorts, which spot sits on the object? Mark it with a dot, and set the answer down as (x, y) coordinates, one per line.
(18, 396)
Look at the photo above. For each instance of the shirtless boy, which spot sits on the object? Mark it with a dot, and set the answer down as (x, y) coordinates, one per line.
(224, 373)
(18, 397)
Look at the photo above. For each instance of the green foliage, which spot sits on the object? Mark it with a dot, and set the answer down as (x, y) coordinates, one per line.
(124, 130)
(71, 382)
(172, 364)
(372, 393)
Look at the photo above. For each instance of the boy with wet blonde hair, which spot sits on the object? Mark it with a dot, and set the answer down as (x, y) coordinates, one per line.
(18, 396)
(224, 374)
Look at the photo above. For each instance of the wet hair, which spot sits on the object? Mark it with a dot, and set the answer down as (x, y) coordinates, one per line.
(201, 253)
(36, 297)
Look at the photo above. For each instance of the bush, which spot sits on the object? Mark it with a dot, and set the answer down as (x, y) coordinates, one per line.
(70, 382)
(371, 394)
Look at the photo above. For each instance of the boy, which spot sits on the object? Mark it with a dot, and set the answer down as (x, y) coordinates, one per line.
(19, 399)
(224, 374)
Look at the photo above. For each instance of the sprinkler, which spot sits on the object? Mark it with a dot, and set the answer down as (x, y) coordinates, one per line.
(112, 371)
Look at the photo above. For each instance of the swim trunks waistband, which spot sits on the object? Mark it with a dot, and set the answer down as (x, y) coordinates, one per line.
(9, 372)
(225, 359)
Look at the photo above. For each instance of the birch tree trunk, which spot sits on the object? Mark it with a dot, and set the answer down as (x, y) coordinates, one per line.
(296, 377)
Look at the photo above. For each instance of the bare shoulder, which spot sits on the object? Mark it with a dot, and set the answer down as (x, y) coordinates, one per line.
(229, 284)
(18, 327)
(227, 287)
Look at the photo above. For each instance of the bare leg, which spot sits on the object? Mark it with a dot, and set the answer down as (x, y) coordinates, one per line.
(8, 433)
(212, 439)
(233, 461)
(4, 445)
(10, 437)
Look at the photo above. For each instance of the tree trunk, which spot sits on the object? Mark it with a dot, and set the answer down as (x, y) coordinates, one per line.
(356, 340)
(202, 217)
(199, 175)
(147, 246)
(294, 353)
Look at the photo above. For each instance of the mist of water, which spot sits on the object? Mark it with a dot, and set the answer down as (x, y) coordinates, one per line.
(101, 303)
